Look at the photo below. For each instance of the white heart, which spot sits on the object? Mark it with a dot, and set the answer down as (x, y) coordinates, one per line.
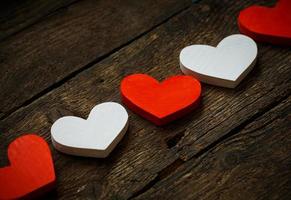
(225, 65)
(95, 137)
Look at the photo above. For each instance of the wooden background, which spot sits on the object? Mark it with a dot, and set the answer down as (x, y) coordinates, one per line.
(62, 57)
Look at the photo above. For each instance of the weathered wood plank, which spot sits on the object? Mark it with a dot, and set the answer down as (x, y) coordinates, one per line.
(149, 153)
(17, 15)
(71, 40)
(252, 164)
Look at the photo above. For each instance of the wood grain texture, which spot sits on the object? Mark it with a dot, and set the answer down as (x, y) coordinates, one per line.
(16, 15)
(149, 155)
(254, 163)
(71, 40)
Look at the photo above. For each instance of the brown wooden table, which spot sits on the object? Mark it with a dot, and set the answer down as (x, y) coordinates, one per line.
(62, 57)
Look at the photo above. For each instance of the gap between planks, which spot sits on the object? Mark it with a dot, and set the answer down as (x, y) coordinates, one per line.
(88, 66)
(172, 168)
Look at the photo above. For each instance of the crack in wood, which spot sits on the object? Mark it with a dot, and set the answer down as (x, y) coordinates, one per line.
(173, 167)
(174, 140)
(159, 174)
(146, 187)
(238, 128)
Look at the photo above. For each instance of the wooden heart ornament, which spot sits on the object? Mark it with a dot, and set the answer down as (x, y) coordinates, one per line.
(160, 102)
(31, 171)
(265, 24)
(95, 137)
(225, 65)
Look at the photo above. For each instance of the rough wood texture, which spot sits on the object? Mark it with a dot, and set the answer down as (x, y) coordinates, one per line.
(16, 15)
(69, 41)
(158, 162)
(254, 163)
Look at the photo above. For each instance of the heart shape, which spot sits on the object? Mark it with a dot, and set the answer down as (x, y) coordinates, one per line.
(265, 24)
(31, 171)
(225, 65)
(160, 102)
(95, 137)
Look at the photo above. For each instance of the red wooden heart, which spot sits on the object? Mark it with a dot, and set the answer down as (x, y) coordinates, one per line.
(31, 170)
(160, 102)
(264, 24)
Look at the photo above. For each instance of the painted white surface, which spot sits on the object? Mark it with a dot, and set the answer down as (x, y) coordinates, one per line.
(225, 65)
(95, 137)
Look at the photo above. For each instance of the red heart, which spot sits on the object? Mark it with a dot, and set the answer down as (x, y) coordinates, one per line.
(160, 102)
(31, 171)
(264, 24)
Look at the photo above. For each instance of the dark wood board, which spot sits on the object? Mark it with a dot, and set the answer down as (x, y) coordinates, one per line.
(150, 161)
(254, 163)
(16, 15)
(50, 52)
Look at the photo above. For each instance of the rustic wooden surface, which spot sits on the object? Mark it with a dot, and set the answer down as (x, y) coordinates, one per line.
(67, 56)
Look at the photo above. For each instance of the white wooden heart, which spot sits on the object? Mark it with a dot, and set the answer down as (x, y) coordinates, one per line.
(95, 137)
(225, 65)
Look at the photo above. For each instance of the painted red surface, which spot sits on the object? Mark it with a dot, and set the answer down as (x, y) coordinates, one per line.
(263, 24)
(162, 102)
(31, 171)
